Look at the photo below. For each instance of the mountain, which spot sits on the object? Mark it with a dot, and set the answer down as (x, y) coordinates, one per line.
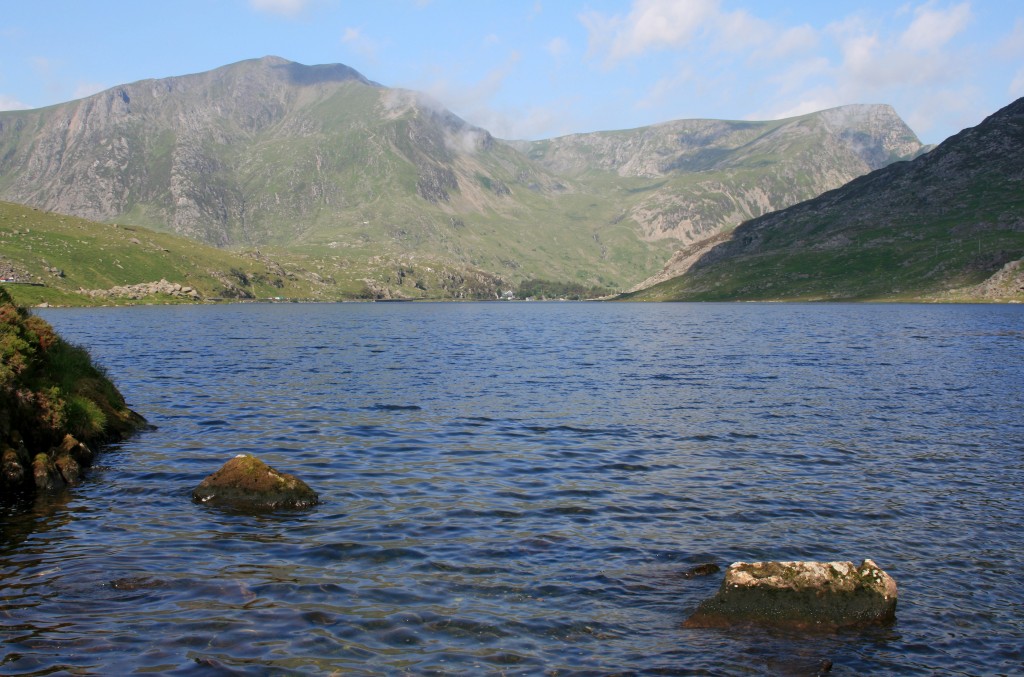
(699, 177)
(322, 161)
(948, 225)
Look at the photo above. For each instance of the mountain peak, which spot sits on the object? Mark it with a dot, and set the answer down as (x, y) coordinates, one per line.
(300, 74)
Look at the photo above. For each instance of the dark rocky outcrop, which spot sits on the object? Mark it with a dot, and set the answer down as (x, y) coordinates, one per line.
(247, 483)
(824, 596)
(55, 406)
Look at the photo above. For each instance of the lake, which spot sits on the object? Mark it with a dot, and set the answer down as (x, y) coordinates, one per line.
(520, 488)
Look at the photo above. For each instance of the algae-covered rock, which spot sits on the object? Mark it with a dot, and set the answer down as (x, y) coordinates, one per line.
(45, 474)
(247, 483)
(800, 595)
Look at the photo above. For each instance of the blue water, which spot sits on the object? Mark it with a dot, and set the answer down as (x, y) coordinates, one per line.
(519, 489)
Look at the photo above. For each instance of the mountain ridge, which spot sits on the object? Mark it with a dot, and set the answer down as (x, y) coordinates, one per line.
(267, 152)
(938, 226)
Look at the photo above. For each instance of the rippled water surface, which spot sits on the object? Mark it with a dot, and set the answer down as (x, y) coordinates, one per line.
(520, 488)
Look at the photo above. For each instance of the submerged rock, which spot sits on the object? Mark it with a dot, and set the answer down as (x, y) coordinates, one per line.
(247, 483)
(705, 569)
(800, 595)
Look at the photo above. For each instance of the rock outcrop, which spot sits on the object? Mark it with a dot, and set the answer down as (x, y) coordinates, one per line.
(800, 595)
(55, 406)
(247, 483)
(144, 289)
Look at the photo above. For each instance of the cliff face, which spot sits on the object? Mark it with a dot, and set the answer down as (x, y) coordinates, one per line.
(713, 174)
(168, 148)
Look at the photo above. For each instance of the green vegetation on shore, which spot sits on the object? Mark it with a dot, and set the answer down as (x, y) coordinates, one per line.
(67, 261)
(54, 404)
(550, 289)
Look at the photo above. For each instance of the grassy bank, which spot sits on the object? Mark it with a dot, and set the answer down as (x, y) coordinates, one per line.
(55, 405)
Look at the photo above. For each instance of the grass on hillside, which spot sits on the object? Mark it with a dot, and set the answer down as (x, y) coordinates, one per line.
(895, 263)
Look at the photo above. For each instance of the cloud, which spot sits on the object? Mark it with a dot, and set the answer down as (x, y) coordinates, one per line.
(84, 89)
(1012, 46)
(476, 103)
(650, 25)
(10, 103)
(932, 28)
(283, 7)
(791, 41)
(557, 47)
(476, 96)
(740, 31)
(1016, 89)
(359, 43)
(654, 25)
(665, 87)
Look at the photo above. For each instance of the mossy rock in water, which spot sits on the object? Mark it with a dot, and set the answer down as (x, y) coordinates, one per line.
(247, 483)
(800, 596)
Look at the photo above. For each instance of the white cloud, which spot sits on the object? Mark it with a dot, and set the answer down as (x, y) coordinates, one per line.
(680, 24)
(10, 103)
(475, 103)
(84, 89)
(283, 7)
(665, 88)
(741, 31)
(1012, 46)
(803, 107)
(1016, 89)
(932, 28)
(797, 76)
(654, 24)
(359, 43)
(793, 41)
(557, 47)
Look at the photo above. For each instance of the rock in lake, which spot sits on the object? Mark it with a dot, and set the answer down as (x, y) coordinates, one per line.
(800, 595)
(247, 483)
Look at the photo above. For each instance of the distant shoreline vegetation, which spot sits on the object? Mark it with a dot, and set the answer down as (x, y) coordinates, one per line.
(551, 289)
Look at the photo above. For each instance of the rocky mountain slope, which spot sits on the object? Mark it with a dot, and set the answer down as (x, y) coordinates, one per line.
(712, 174)
(323, 161)
(948, 225)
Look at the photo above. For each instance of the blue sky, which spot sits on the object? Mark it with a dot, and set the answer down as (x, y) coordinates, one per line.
(542, 68)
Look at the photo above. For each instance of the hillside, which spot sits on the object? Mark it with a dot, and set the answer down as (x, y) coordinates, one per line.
(696, 178)
(317, 159)
(946, 226)
(325, 163)
(65, 260)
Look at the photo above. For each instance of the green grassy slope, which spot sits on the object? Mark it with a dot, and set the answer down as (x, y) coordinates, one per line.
(931, 228)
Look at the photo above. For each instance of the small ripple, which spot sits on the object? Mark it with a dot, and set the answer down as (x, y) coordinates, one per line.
(394, 407)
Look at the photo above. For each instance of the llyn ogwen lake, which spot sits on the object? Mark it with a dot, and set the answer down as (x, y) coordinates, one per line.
(519, 488)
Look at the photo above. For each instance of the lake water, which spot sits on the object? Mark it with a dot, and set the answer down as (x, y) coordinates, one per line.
(519, 489)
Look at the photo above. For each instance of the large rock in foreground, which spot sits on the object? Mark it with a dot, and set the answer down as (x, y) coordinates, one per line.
(801, 596)
(247, 483)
